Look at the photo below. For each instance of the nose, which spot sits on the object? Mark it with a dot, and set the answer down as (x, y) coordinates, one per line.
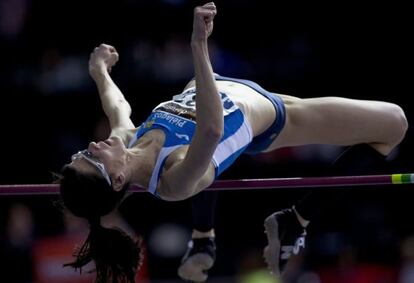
(93, 146)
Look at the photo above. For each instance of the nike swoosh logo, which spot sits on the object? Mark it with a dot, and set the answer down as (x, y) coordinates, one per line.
(183, 136)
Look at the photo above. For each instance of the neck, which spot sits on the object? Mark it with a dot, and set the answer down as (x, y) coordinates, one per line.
(142, 158)
(138, 169)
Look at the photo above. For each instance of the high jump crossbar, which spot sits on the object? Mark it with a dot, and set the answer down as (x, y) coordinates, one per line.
(244, 184)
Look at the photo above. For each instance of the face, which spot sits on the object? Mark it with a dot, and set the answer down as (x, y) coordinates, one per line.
(105, 157)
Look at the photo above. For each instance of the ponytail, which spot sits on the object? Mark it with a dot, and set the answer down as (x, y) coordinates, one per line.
(117, 257)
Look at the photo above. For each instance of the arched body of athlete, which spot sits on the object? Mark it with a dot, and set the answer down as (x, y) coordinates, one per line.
(188, 141)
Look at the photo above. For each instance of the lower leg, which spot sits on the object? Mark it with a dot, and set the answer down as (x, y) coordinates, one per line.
(203, 207)
(200, 255)
(357, 159)
(286, 229)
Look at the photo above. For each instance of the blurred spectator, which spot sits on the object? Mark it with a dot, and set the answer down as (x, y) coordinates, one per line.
(407, 260)
(340, 264)
(359, 273)
(62, 74)
(50, 253)
(168, 240)
(15, 249)
(12, 17)
(173, 62)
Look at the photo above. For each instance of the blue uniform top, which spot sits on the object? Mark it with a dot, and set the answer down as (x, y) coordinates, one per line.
(177, 118)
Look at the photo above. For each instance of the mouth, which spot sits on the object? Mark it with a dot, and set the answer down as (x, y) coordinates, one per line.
(111, 141)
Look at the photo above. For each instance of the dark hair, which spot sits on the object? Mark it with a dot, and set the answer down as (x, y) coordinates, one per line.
(117, 257)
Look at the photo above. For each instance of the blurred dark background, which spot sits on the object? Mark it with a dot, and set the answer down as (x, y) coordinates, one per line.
(50, 109)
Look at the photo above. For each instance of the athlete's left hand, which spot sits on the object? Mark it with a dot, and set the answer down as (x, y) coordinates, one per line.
(102, 59)
(203, 22)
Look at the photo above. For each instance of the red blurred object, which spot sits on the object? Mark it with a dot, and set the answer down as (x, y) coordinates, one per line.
(49, 255)
(362, 273)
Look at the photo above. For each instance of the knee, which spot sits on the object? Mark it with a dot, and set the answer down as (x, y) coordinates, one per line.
(399, 123)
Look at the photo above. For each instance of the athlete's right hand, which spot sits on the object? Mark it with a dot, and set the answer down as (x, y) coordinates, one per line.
(102, 59)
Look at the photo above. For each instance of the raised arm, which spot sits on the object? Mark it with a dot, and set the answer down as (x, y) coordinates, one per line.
(193, 170)
(114, 104)
(208, 101)
(210, 120)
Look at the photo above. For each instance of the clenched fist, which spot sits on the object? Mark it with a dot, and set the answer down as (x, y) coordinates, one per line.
(102, 59)
(203, 22)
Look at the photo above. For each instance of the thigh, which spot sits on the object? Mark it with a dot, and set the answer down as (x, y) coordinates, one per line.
(340, 121)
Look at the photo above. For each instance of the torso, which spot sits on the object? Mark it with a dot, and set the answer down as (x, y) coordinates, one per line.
(258, 110)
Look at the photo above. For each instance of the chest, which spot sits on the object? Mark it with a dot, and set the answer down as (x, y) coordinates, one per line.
(175, 157)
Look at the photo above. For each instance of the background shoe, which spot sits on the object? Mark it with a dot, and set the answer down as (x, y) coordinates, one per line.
(199, 258)
(285, 236)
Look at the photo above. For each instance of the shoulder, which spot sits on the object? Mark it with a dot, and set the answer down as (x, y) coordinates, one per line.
(126, 134)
